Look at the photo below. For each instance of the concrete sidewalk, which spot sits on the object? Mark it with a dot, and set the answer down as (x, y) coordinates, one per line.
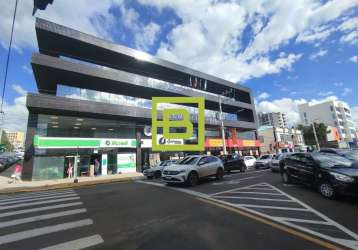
(28, 186)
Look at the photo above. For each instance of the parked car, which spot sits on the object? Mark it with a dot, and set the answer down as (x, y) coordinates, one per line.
(192, 168)
(233, 162)
(264, 161)
(156, 171)
(249, 161)
(331, 174)
(351, 154)
(278, 161)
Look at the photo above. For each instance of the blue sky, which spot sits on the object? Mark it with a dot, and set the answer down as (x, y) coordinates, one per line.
(288, 52)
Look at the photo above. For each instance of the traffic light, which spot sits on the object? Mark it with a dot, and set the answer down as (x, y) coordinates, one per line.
(41, 5)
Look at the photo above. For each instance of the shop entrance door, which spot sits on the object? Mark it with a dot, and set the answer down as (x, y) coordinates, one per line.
(69, 162)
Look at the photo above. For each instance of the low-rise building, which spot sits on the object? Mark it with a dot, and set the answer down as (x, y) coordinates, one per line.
(16, 138)
(280, 140)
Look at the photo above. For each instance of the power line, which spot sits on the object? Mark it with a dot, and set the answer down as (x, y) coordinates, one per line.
(7, 62)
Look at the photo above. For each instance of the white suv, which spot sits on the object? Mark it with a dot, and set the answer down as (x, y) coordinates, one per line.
(192, 168)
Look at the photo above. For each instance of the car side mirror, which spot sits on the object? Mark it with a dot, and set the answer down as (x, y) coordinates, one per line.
(201, 163)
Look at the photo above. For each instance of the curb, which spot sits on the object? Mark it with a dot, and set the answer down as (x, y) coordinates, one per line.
(67, 185)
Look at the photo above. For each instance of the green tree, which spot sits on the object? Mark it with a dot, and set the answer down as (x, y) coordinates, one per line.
(308, 135)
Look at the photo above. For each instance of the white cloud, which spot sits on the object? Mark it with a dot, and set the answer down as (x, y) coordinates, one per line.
(90, 16)
(347, 91)
(351, 38)
(354, 59)
(15, 114)
(20, 90)
(145, 35)
(263, 95)
(338, 84)
(318, 54)
(210, 34)
(328, 93)
(27, 69)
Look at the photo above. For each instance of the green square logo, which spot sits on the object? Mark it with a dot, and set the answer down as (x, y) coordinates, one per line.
(166, 123)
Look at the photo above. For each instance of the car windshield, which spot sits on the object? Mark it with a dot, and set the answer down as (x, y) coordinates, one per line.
(189, 160)
(332, 161)
(351, 154)
(277, 157)
(264, 157)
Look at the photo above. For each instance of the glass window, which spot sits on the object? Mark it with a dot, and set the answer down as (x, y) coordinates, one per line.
(47, 168)
(330, 160)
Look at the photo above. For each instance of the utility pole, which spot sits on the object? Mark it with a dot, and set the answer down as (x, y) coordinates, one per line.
(315, 136)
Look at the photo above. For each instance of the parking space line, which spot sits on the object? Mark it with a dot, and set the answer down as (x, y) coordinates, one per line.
(230, 190)
(252, 198)
(244, 192)
(274, 207)
(302, 220)
(284, 228)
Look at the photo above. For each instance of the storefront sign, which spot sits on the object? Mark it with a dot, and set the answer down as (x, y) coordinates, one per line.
(126, 163)
(216, 142)
(147, 143)
(70, 142)
(104, 164)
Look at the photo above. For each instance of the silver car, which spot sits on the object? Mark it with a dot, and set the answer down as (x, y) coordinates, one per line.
(157, 170)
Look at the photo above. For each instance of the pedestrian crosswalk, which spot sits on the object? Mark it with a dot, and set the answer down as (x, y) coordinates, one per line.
(270, 202)
(28, 221)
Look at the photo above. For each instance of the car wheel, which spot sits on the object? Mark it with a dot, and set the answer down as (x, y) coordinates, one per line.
(219, 174)
(193, 179)
(157, 174)
(326, 190)
(286, 178)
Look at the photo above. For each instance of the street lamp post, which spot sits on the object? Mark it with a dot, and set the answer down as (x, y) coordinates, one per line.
(222, 120)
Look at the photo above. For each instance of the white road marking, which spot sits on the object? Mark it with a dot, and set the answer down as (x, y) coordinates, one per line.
(290, 222)
(259, 188)
(23, 195)
(43, 230)
(38, 203)
(273, 207)
(252, 198)
(302, 220)
(252, 192)
(35, 195)
(41, 217)
(236, 181)
(77, 244)
(37, 199)
(38, 209)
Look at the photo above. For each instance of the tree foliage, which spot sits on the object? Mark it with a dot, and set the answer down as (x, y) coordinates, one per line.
(308, 135)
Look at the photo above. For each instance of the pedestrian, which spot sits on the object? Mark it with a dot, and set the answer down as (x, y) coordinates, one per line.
(70, 170)
(16, 176)
(96, 167)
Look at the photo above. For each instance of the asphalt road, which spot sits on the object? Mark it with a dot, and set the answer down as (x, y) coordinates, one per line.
(240, 212)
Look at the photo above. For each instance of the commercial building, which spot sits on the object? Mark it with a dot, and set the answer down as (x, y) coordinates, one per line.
(275, 119)
(332, 113)
(16, 139)
(94, 105)
(280, 140)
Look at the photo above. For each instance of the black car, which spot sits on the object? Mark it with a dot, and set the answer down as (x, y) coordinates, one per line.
(351, 154)
(233, 162)
(331, 174)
